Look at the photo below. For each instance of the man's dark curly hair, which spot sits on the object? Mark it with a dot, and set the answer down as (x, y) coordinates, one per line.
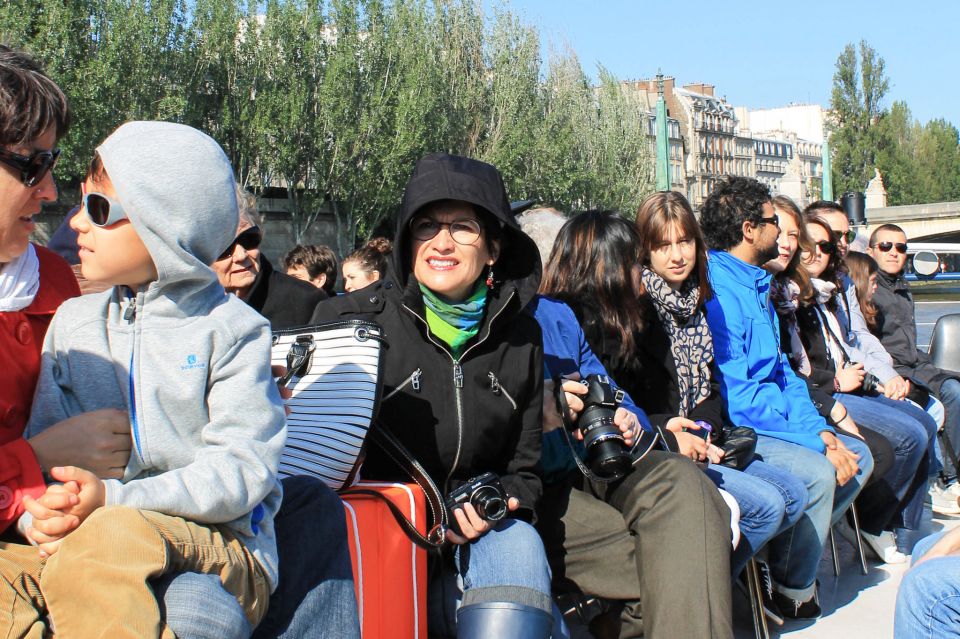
(733, 201)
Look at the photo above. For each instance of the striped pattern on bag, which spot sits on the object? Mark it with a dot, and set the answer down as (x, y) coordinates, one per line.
(334, 400)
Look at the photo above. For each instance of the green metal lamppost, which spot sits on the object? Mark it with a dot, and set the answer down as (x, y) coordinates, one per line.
(827, 181)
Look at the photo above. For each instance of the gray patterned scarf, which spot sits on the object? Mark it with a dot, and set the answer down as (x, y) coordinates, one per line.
(690, 341)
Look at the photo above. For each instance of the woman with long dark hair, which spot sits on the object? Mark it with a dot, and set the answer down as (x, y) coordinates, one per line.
(665, 505)
(639, 296)
(836, 367)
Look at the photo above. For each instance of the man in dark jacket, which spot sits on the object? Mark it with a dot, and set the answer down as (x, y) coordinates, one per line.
(896, 325)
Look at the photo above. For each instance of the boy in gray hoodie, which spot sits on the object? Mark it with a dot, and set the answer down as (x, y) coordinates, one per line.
(191, 367)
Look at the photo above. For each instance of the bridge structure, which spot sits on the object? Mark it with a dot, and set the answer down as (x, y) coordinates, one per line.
(921, 222)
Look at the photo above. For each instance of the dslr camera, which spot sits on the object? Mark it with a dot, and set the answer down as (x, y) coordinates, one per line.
(485, 493)
(607, 453)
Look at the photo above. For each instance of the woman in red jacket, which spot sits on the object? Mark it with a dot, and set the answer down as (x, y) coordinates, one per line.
(33, 280)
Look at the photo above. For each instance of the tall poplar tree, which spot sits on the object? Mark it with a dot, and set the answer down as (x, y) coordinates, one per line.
(859, 86)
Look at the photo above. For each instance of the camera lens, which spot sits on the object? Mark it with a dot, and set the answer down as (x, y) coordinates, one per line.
(489, 503)
(607, 453)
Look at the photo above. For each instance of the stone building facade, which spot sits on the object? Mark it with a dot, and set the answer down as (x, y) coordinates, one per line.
(716, 139)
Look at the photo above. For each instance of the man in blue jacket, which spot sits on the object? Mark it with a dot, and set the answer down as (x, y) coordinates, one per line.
(760, 389)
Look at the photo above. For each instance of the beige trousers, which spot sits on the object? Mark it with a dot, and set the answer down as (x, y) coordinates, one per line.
(97, 584)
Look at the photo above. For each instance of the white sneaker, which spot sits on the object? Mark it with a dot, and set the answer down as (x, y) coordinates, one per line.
(953, 488)
(884, 546)
(942, 500)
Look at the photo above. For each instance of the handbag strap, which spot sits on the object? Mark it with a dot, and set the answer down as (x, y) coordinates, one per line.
(436, 532)
(831, 335)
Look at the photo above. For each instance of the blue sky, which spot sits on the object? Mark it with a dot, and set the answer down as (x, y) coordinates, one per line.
(763, 54)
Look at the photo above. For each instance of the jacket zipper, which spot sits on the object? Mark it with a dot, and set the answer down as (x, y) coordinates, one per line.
(497, 389)
(458, 381)
(414, 379)
(130, 315)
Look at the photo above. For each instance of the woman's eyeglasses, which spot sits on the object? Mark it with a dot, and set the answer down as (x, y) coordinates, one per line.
(32, 167)
(102, 210)
(250, 239)
(464, 231)
(885, 247)
(827, 248)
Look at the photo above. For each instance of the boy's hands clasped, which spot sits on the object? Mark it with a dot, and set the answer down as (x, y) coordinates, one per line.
(63, 507)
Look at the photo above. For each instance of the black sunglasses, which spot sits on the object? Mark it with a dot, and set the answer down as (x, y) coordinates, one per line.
(886, 246)
(32, 167)
(249, 240)
(773, 219)
(827, 248)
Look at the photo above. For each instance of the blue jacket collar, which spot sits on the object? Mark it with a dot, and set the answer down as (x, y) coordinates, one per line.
(753, 277)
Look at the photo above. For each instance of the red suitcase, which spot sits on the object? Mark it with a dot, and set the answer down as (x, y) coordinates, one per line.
(389, 570)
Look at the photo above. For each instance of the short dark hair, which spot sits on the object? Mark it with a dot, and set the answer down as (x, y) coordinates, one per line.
(885, 227)
(317, 260)
(735, 200)
(30, 102)
(823, 206)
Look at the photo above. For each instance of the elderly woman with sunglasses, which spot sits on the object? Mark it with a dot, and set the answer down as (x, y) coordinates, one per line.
(836, 366)
(244, 271)
(463, 388)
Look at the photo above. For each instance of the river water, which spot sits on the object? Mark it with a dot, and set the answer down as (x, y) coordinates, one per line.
(933, 301)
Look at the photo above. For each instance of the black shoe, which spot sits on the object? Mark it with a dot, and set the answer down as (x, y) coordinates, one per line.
(770, 607)
(793, 609)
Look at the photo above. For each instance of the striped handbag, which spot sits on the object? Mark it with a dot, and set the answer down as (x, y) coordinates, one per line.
(334, 373)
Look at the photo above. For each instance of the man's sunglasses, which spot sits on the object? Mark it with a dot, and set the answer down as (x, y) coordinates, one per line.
(885, 247)
(773, 219)
(102, 210)
(250, 239)
(827, 248)
(33, 167)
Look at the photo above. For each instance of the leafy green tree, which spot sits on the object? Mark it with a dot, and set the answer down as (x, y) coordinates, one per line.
(558, 175)
(859, 86)
(514, 103)
(938, 162)
(621, 152)
(896, 155)
(335, 100)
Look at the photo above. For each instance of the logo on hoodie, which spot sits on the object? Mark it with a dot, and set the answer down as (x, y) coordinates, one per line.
(192, 363)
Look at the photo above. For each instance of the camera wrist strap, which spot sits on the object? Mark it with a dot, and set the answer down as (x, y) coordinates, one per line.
(437, 527)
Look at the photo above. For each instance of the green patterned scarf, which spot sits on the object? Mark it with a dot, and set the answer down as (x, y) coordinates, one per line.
(455, 324)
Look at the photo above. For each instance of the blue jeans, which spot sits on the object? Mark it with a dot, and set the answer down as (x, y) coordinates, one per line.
(771, 500)
(911, 431)
(315, 596)
(507, 564)
(938, 412)
(950, 396)
(795, 553)
(928, 602)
